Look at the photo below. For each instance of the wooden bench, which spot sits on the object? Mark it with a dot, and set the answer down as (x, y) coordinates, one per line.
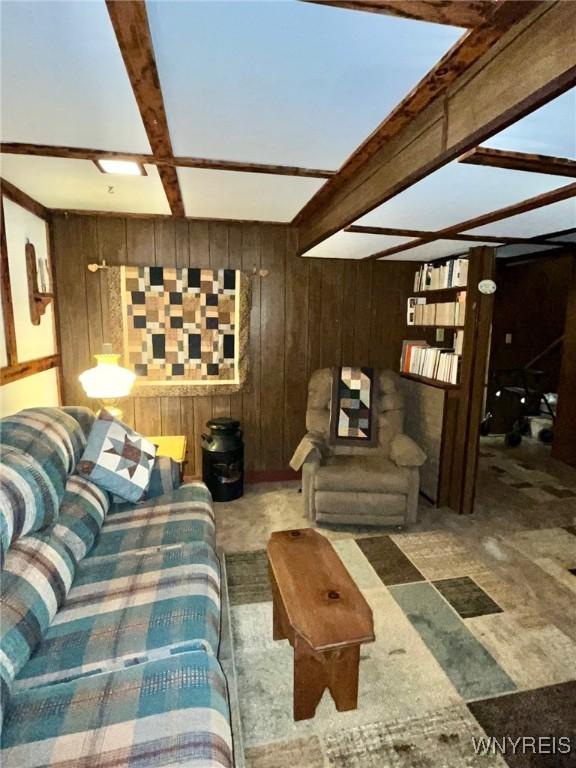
(321, 611)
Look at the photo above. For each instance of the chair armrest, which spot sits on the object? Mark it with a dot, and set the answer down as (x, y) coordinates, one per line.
(311, 449)
(404, 452)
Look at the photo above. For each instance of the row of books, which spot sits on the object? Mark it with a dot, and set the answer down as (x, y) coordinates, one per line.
(452, 274)
(440, 313)
(420, 359)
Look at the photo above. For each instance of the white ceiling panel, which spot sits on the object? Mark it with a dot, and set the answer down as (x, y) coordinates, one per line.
(284, 82)
(551, 218)
(59, 183)
(233, 195)
(550, 130)
(353, 245)
(457, 193)
(63, 79)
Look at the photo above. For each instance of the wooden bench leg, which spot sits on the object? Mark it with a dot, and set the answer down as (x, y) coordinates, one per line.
(280, 623)
(314, 672)
(310, 679)
(344, 678)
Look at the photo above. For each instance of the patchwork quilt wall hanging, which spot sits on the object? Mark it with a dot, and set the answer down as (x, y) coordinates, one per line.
(183, 331)
(352, 413)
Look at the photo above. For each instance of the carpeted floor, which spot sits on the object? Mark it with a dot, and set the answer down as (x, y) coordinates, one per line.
(475, 623)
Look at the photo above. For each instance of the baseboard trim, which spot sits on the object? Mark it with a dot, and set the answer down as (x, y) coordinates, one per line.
(264, 476)
(272, 476)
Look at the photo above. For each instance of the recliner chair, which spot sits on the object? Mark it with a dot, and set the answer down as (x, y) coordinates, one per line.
(360, 485)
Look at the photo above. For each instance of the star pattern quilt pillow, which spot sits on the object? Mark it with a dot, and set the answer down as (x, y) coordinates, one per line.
(117, 458)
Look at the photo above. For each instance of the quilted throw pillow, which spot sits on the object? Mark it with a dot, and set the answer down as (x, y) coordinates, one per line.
(117, 458)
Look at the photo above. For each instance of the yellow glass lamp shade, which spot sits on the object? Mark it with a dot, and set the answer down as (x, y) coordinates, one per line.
(107, 381)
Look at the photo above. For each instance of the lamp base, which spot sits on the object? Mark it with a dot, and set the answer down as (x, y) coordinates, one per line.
(111, 408)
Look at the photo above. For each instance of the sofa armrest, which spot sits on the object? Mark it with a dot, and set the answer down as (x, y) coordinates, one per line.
(404, 452)
(165, 477)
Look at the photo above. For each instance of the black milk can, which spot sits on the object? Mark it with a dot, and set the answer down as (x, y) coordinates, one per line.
(223, 459)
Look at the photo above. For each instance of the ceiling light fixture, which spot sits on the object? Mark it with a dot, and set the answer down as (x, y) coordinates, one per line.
(121, 167)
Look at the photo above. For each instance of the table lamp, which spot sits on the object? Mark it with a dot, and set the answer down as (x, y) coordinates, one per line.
(107, 382)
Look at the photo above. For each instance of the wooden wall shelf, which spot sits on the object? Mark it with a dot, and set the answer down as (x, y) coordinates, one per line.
(434, 291)
(436, 325)
(431, 382)
(38, 301)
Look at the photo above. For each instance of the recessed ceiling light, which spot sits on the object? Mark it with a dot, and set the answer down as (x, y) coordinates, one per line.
(122, 167)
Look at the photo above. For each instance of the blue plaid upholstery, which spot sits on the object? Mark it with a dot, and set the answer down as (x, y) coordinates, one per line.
(110, 617)
(136, 607)
(37, 576)
(185, 515)
(40, 448)
(84, 416)
(82, 513)
(164, 713)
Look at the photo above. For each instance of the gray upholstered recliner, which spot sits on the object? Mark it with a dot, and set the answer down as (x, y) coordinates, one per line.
(360, 485)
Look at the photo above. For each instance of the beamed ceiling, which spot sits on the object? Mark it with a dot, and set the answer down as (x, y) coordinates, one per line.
(281, 111)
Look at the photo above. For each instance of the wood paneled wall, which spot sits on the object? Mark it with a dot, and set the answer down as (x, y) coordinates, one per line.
(306, 313)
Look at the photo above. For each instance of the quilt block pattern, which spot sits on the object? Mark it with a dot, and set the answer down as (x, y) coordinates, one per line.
(352, 405)
(180, 325)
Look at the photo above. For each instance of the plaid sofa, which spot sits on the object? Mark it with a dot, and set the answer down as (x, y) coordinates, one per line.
(110, 617)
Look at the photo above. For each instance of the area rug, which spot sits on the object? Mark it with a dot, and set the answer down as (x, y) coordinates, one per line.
(424, 682)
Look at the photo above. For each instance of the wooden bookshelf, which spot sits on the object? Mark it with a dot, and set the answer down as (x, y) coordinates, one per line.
(431, 382)
(444, 417)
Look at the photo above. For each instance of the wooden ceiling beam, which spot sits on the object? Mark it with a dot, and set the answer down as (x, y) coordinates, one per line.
(241, 167)
(478, 88)
(520, 161)
(531, 204)
(130, 22)
(431, 235)
(76, 153)
(21, 198)
(455, 13)
(71, 153)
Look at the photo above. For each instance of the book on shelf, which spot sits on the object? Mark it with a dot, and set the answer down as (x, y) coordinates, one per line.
(447, 313)
(413, 301)
(458, 342)
(420, 359)
(453, 273)
(408, 346)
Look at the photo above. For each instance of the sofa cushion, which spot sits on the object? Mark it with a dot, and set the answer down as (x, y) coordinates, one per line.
(372, 474)
(164, 713)
(117, 458)
(179, 517)
(37, 576)
(40, 448)
(130, 609)
(50, 436)
(29, 500)
(82, 513)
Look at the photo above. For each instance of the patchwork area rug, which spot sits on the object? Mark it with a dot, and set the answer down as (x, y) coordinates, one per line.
(538, 486)
(456, 655)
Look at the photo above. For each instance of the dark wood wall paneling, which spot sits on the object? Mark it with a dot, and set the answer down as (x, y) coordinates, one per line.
(306, 313)
(530, 303)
